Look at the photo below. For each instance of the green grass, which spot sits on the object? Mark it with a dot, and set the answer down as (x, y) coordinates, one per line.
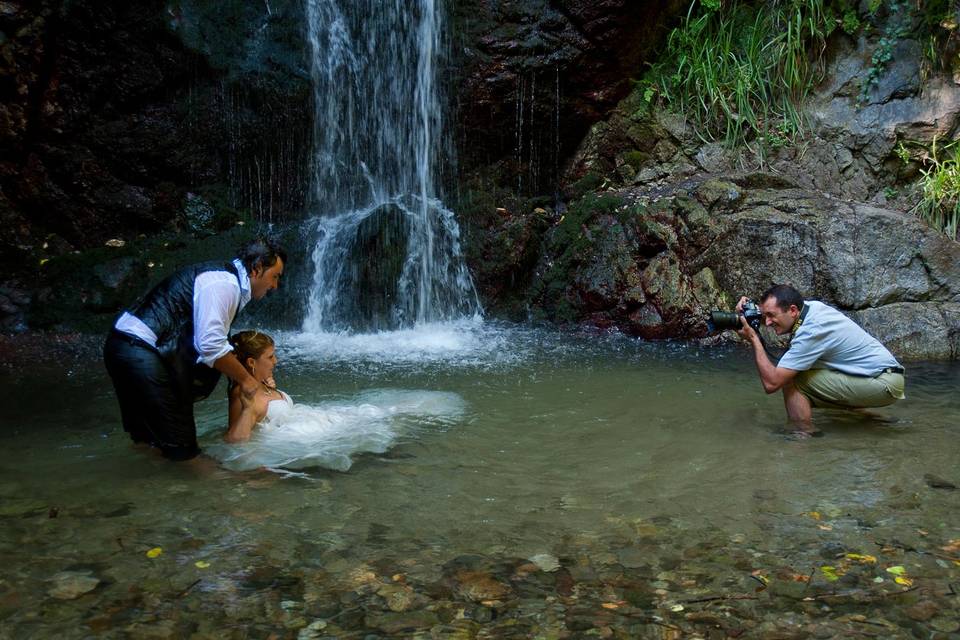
(940, 187)
(739, 71)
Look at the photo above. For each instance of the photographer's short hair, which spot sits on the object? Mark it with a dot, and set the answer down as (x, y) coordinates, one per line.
(785, 295)
(260, 253)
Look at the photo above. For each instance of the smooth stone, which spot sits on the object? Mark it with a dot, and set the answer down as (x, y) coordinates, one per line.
(945, 625)
(936, 482)
(391, 622)
(399, 598)
(479, 585)
(922, 611)
(546, 562)
(69, 585)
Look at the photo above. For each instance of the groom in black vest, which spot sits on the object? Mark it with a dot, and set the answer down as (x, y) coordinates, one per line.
(168, 350)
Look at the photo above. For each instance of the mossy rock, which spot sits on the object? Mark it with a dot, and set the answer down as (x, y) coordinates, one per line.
(588, 183)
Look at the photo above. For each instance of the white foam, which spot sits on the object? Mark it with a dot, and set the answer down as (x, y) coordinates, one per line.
(460, 342)
(330, 434)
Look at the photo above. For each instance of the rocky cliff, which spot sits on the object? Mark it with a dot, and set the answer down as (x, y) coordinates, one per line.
(152, 124)
(659, 227)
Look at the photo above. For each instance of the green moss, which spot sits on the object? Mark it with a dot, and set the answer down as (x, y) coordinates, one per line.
(590, 182)
(572, 242)
(636, 159)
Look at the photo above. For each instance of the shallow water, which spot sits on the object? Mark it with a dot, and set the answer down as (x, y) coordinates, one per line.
(639, 477)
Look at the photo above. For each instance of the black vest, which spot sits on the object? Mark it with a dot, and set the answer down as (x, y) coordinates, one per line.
(168, 310)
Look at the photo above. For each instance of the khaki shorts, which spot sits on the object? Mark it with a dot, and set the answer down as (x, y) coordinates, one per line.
(829, 389)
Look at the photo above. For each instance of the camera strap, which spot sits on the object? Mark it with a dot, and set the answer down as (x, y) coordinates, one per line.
(799, 322)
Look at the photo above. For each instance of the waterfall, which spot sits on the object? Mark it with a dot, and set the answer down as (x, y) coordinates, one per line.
(387, 251)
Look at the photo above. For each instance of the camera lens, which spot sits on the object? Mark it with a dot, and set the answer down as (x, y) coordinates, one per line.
(722, 320)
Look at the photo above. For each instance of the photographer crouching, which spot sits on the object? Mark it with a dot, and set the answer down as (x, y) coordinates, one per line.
(831, 362)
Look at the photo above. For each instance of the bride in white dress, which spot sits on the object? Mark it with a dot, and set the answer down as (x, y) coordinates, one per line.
(272, 432)
(258, 354)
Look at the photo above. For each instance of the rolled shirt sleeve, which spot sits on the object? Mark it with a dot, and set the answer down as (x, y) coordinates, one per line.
(216, 298)
(805, 349)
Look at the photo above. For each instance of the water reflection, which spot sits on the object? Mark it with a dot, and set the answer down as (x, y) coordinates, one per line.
(626, 462)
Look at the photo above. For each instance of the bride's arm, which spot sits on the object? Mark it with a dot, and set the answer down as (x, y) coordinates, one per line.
(243, 415)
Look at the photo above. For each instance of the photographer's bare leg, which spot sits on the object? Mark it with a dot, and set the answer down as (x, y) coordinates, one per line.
(799, 411)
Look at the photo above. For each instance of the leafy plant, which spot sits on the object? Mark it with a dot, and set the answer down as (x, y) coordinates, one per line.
(850, 22)
(940, 184)
(739, 71)
(896, 28)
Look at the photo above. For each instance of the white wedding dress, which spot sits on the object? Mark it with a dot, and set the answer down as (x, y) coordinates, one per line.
(300, 436)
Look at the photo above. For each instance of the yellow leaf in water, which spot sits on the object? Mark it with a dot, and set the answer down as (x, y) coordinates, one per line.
(610, 605)
(830, 573)
(897, 570)
(814, 514)
(153, 553)
(200, 564)
(862, 559)
(907, 582)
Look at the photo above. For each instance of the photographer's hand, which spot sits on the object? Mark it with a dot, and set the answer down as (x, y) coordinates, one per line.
(740, 303)
(746, 331)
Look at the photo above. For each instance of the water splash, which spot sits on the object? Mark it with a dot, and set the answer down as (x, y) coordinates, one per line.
(388, 251)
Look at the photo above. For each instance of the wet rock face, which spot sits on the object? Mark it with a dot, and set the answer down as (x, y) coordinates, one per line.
(109, 121)
(535, 74)
(655, 264)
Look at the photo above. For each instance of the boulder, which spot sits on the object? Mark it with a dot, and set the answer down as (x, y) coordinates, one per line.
(655, 269)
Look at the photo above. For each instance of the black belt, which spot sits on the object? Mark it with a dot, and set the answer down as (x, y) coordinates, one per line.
(892, 370)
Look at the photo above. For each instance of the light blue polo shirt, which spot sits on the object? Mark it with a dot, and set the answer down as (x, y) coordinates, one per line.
(827, 339)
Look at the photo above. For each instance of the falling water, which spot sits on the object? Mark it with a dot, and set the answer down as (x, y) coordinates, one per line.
(387, 253)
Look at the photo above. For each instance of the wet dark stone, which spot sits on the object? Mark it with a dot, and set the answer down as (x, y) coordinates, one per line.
(391, 623)
(482, 614)
(377, 533)
(831, 550)
(922, 611)
(640, 597)
(564, 582)
(376, 256)
(936, 482)
(272, 579)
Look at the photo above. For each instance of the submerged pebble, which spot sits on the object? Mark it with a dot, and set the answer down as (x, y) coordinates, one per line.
(68, 585)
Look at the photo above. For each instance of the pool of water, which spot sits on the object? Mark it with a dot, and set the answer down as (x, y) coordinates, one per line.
(523, 483)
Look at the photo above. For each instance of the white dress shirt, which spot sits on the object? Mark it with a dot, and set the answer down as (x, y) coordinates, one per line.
(217, 298)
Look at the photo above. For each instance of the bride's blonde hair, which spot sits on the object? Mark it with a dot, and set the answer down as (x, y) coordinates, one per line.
(250, 344)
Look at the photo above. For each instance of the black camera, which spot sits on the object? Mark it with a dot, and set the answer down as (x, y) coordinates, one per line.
(722, 320)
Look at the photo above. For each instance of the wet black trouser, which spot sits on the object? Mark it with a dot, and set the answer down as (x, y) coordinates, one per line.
(152, 408)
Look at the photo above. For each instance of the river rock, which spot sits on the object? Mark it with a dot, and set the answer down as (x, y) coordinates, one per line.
(546, 562)
(313, 631)
(480, 586)
(616, 254)
(391, 622)
(922, 611)
(937, 482)
(69, 585)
